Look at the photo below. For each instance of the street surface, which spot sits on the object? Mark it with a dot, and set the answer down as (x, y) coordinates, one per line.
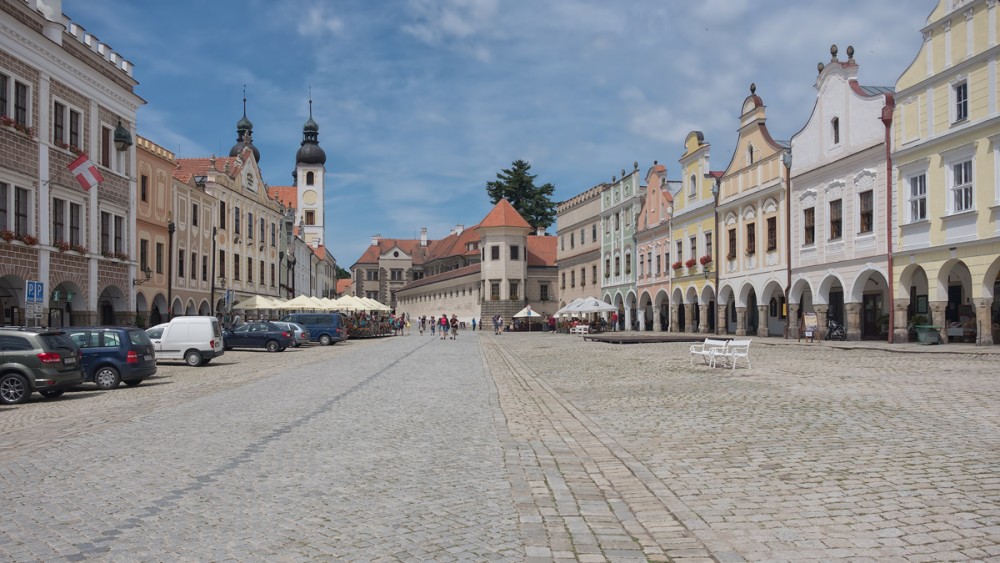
(516, 447)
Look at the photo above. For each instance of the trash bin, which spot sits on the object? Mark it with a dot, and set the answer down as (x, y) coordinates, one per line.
(927, 334)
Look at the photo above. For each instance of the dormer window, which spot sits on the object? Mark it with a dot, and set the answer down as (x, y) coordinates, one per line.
(835, 130)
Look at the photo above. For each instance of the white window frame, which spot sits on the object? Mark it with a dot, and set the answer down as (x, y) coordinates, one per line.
(116, 159)
(966, 187)
(953, 98)
(950, 159)
(857, 213)
(68, 111)
(70, 197)
(13, 184)
(912, 199)
(114, 212)
(12, 81)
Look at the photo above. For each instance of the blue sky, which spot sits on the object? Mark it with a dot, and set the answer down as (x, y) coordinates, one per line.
(422, 102)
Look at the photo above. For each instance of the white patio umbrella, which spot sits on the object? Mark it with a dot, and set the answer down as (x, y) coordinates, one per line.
(568, 308)
(256, 303)
(299, 303)
(527, 313)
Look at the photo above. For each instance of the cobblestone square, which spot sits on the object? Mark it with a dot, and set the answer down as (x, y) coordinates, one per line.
(516, 447)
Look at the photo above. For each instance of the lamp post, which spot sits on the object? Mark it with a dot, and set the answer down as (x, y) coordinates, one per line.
(123, 139)
(211, 303)
(786, 159)
(148, 275)
(715, 195)
(171, 229)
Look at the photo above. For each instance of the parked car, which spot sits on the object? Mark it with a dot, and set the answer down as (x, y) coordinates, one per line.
(325, 328)
(46, 361)
(195, 339)
(300, 334)
(265, 335)
(112, 355)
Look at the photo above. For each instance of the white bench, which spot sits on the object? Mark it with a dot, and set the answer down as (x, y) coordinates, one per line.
(732, 353)
(708, 350)
(580, 329)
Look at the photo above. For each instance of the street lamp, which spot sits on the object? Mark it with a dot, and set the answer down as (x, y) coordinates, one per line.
(148, 273)
(123, 139)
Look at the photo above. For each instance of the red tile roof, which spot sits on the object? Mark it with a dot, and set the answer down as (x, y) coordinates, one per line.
(542, 251)
(503, 214)
(287, 195)
(320, 251)
(188, 168)
(344, 285)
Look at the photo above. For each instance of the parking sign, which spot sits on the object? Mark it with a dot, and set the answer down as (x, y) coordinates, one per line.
(33, 291)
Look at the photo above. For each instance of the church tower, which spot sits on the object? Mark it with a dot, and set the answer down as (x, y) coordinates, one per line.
(310, 173)
(244, 133)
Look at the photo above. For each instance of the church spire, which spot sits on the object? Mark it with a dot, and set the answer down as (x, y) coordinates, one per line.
(244, 132)
(310, 151)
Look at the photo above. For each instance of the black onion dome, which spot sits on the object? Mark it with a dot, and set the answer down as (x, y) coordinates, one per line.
(310, 152)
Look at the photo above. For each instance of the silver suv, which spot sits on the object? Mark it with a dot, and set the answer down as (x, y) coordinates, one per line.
(40, 360)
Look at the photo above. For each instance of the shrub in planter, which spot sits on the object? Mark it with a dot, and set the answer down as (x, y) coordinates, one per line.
(690, 262)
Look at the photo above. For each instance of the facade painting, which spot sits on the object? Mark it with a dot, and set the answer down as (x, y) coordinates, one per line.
(752, 199)
(839, 239)
(691, 255)
(946, 161)
(653, 249)
(620, 207)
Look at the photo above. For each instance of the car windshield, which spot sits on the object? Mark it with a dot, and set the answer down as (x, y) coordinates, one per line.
(154, 332)
(138, 338)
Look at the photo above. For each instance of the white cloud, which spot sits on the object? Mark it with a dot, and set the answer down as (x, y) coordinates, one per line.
(316, 22)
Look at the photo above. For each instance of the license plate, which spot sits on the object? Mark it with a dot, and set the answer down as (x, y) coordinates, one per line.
(69, 361)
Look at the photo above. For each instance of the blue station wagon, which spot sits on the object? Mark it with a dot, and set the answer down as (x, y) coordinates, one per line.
(112, 355)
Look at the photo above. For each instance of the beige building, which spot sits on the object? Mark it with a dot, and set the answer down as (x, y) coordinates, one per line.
(154, 210)
(578, 256)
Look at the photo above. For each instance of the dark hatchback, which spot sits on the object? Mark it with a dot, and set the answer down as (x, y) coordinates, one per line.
(112, 355)
(40, 360)
(266, 335)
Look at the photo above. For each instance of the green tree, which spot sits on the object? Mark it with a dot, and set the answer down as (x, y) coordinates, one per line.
(517, 185)
(342, 273)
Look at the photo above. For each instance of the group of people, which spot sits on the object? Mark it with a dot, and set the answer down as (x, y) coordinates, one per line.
(442, 325)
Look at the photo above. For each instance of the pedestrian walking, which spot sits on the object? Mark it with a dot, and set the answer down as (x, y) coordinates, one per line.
(433, 323)
(473, 325)
(500, 326)
(443, 326)
(454, 326)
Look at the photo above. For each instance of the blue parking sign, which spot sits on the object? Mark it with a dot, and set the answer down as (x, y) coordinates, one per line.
(34, 291)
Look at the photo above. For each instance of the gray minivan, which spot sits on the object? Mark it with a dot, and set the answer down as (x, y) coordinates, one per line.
(325, 328)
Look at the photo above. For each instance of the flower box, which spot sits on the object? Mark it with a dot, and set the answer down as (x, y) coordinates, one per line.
(676, 265)
(8, 235)
(62, 245)
(690, 262)
(706, 259)
(29, 240)
(66, 146)
(78, 248)
(9, 122)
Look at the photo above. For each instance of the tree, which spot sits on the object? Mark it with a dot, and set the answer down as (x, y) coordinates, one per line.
(342, 273)
(517, 186)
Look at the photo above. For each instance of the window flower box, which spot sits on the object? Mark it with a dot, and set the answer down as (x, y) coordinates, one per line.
(78, 248)
(676, 265)
(71, 148)
(9, 122)
(62, 245)
(8, 235)
(690, 262)
(29, 240)
(706, 259)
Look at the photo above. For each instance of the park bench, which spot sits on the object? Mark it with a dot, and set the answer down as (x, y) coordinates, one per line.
(580, 329)
(707, 350)
(732, 352)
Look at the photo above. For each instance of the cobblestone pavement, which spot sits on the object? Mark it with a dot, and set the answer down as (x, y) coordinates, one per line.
(515, 447)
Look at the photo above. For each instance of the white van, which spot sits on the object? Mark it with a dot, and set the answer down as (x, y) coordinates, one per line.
(196, 340)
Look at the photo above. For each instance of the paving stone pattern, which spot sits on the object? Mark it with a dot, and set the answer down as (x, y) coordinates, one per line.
(516, 448)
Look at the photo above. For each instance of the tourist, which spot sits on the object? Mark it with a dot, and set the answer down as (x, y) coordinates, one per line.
(433, 323)
(454, 326)
(473, 325)
(443, 326)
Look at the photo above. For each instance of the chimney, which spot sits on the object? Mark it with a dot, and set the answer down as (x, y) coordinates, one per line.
(458, 229)
(540, 232)
(375, 239)
(423, 236)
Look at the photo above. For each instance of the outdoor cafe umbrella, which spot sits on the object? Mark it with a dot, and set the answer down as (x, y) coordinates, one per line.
(257, 303)
(299, 303)
(527, 313)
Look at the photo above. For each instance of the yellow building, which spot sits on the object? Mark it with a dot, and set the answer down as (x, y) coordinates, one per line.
(946, 139)
(693, 227)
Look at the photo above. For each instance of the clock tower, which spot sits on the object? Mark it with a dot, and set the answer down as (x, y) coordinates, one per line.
(310, 173)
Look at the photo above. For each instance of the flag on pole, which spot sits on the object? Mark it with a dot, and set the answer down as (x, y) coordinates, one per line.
(86, 172)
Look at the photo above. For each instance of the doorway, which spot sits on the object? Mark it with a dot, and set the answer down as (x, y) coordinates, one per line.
(871, 310)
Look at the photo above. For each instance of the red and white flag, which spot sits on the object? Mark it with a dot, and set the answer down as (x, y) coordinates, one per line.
(86, 172)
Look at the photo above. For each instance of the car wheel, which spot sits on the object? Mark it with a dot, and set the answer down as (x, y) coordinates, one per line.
(193, 358)
(107, 378)
(133, 383)
(272, 346)
(325, 340)
(13, 389)
(53, 394)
